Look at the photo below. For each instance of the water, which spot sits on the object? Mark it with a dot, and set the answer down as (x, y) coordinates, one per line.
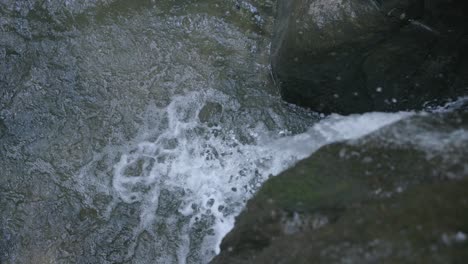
(134, 132)
(192, 179)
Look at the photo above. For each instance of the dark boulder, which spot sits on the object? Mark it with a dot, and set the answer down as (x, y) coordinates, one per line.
(395, 196)
(353, 56)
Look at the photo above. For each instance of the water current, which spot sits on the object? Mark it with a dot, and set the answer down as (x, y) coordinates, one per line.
(135, 131)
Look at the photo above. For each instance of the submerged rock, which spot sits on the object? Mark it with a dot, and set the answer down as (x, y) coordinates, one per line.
(210, 113)
(365, 55)
(397, 196)
(3, 128)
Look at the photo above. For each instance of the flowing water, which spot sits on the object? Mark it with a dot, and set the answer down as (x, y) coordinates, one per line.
(135, 131)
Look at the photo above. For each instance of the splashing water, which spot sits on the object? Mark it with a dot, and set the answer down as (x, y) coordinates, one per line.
(209, 172)
(149, 125)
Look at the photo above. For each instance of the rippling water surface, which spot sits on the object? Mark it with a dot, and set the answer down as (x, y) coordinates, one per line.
(135, 131)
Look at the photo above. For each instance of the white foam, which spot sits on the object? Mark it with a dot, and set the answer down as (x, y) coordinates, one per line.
(215, 170)
(450, 106)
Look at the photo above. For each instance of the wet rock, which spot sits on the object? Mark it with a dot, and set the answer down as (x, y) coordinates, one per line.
(140, 167)
(210, 113)
(79, 81)
(365, 55)
(397, 195)
(87, 213)
(3, 128)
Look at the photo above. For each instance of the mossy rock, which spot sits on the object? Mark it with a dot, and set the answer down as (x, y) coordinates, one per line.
(379, 199)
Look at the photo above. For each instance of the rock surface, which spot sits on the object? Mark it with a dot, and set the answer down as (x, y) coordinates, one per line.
(82, 82)
(390, 197)
(353, 56)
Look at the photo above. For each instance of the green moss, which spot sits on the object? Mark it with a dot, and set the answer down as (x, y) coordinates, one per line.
(309, 191)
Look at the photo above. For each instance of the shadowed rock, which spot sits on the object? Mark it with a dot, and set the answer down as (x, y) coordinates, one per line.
(363, 55)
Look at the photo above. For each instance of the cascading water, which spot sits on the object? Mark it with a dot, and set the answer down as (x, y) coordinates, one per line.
(192, 179)
(148, 126)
